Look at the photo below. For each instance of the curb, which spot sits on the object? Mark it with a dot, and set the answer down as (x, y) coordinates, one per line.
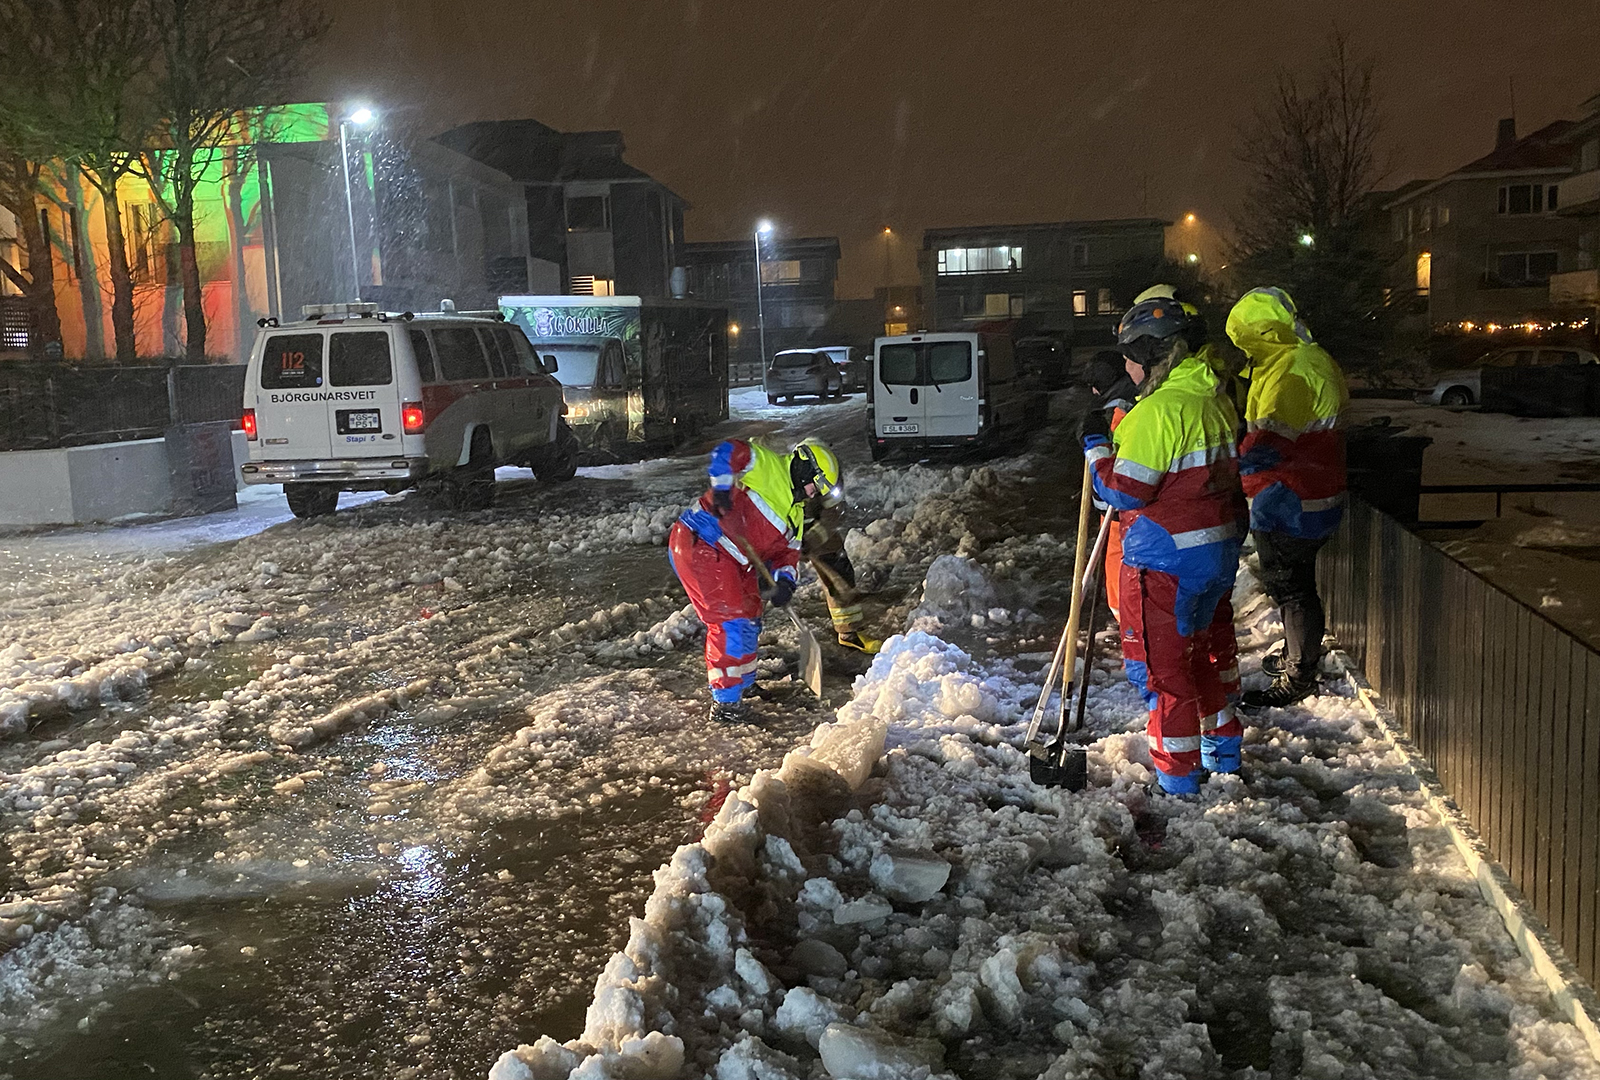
(1574, 998)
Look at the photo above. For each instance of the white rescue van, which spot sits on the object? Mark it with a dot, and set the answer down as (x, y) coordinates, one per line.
(352, 399)
(941, 391)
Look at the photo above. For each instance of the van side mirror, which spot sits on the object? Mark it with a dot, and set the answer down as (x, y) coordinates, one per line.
(550, 364)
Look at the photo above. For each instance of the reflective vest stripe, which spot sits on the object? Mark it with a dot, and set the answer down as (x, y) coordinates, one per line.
(1197, 537)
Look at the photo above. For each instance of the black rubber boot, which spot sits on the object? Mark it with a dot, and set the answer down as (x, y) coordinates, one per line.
(1288, 688)
(730, 712)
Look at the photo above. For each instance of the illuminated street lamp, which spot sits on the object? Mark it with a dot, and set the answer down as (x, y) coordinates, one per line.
(1189, 219)
(361, 117)
(763, 228)
(1307, 240)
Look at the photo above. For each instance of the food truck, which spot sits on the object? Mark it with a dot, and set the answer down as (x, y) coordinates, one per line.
(639, 376)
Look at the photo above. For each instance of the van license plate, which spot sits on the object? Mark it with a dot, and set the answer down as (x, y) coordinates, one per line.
(352, 421)
(899, 429)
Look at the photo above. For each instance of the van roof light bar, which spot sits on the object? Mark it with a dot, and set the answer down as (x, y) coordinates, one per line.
(338, 311)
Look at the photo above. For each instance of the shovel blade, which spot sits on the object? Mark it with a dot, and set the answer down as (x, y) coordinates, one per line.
(1064, 766)
(810, 661)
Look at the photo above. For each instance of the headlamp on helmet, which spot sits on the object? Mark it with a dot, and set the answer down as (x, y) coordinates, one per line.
(813, 463)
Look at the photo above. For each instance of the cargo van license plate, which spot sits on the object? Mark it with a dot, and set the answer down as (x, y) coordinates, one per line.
(899, 429)
(352, 421)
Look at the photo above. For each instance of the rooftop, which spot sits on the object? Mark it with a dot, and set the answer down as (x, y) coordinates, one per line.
(535, 153)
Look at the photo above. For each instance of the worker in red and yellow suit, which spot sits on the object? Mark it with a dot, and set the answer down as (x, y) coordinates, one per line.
(1171, 474)
(755, 509)
(1291, 461)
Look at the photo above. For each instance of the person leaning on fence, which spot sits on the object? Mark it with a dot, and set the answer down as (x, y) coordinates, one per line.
(1291, 461)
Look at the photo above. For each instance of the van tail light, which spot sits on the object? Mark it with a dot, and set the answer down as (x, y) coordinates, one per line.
(249, 424)
(412, 419)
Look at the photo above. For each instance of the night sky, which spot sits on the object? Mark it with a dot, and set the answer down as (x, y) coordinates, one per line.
(840, 118)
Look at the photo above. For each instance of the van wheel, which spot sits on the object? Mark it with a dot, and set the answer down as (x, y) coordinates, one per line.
(1456, 397)
(311, 500)
(772, 399)
(879, 450)
(471, 486)
(559, 463)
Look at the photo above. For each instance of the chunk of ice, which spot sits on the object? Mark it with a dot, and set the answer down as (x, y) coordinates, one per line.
(909, 878)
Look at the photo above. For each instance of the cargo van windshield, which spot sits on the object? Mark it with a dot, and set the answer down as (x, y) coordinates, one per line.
(576, 364)
(925, 363)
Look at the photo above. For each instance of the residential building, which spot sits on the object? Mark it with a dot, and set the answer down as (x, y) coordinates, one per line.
(1479, 245)
(797, 295)
(901, 307)
(424, 224)
(596, 225)
(1575, 293)
(1069, 280)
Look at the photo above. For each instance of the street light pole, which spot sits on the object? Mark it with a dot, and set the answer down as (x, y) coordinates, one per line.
(761, 315)
(360, 116)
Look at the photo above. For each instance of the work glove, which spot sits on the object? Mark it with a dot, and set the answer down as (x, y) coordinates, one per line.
(721, 500)
(1095, 423)
(782, 592)
(704, 524)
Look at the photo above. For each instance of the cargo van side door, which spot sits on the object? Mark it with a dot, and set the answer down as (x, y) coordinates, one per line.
(898, 399)
(291, 411)
(363, 415)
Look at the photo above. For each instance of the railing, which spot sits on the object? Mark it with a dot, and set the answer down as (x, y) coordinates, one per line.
(1503, 703)
(1499, 491)
(745, 373)
(50, 405)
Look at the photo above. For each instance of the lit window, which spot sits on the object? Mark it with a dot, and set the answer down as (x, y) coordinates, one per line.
(1424, 272)
(1080, 302)
(605, 286)
(984, 260)
(780, 271)
(1103, 303)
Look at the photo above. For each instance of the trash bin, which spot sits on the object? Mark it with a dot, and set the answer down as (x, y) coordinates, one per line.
(1385, 468)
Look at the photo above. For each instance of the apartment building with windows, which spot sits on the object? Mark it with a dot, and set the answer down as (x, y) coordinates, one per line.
(799, 277)
(1067, 279)
(1480, 244)
(1575, 292)
(596, 224)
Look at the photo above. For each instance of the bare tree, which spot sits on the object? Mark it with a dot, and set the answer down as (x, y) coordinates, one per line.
(223, 65)
(87, 95)
(1314, 159)
(34, 276)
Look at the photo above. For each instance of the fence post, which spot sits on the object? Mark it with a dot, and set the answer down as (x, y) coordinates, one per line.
(174, 418)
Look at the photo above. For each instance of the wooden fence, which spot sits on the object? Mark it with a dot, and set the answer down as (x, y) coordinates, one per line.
(1503, 702)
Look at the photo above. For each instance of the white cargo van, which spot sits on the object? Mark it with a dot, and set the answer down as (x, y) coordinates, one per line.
(351, 399)
(933, 391)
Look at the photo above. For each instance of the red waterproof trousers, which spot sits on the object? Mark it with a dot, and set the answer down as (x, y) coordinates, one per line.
(727, 597)
(1189, 683)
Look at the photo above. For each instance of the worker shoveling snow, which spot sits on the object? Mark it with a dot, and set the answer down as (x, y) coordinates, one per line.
(900, 900)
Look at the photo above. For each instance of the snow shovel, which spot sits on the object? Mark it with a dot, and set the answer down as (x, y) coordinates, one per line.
(1055, 761)
(810, 651)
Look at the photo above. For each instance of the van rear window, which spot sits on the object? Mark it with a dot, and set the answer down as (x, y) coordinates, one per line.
(897, 365)
(291, 362)
(360, 358)
(459, 353)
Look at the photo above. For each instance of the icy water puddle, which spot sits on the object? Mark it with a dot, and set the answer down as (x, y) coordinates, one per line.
(418, 964)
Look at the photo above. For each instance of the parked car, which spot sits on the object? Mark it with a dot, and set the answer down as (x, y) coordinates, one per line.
(857, 369)
(932, 391)
(797, 372)
(351, 399)
(1465, 386)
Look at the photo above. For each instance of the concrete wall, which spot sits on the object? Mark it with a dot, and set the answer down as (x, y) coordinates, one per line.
(84, 483)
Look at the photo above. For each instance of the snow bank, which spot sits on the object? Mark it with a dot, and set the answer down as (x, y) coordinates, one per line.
(1312, 919)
